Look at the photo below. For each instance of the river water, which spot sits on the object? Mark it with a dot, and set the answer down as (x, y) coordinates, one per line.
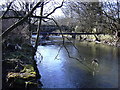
(61, 71)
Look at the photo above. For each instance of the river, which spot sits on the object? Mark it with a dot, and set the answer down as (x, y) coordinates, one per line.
(60, 71)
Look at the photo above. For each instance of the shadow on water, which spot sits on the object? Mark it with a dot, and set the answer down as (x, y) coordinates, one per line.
(65, 72)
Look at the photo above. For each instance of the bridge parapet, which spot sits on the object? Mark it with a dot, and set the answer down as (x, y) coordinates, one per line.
(53, 33)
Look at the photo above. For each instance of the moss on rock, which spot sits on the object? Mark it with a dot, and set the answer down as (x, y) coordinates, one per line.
(19, 68)
(26, 75)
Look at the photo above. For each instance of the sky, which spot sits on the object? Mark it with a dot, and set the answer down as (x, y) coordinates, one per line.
(58, 12)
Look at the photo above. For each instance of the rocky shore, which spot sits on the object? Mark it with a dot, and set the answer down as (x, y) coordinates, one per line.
(110, 40)
(18, 69)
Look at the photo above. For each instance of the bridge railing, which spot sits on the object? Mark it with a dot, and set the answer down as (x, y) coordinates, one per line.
(54, 33)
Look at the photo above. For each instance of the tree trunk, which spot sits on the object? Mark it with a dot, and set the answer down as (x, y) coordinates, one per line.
(96, 38)
(36, 44)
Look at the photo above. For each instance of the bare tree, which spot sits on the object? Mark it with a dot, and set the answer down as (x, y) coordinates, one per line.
(112, 13)
(28, 15)
(87, 15)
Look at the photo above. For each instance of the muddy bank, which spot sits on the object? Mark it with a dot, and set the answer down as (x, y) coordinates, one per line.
(18, 68)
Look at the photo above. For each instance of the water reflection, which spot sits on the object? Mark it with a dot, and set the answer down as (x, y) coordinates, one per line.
(65, 72)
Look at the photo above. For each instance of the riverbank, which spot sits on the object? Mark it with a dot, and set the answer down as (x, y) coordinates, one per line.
(110, 40)
(18, 68)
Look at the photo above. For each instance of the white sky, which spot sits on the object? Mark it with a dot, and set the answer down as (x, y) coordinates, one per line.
(58, 12)
(49, 7)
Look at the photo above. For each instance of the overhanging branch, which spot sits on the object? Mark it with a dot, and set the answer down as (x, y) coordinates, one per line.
(7, 9)
(6, 32)
(16, 17)
(67, 49)
(55, 9)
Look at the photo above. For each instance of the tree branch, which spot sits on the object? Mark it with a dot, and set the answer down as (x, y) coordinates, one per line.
(20, 17)
(55, 9)
(67, 49)
(109, 16)
(6, 32)
(39, 26)
(7, 9)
